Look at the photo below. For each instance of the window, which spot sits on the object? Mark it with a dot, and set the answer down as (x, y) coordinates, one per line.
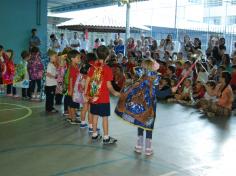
(213, 3)
(195, 1)
(233, 2)
(212, 20)
(231, 20)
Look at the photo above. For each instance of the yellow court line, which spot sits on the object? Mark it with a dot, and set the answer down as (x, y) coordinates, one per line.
(20, 118)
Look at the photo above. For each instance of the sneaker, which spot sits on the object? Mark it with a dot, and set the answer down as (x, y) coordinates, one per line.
(138, 149)
(38, 97)
(54, 111)
(75, 122)
(9, 95)
(68, 119)
(110, 140)
(65, 113)
(83, 125)
(33, 96)
(148, 151)
(16, 96)
(91, 130)
(97, 138)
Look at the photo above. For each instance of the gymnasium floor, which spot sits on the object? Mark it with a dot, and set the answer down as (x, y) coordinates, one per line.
(185, 144)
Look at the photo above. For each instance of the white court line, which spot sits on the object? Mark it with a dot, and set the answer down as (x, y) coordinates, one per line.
(11, 109)
(169, 173)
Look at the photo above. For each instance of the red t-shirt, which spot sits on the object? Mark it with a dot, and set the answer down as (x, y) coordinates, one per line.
(178, 72)
(74, 72)
(107, 75)
(233, 80)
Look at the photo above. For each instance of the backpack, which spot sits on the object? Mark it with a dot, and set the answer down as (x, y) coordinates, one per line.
(95, 83)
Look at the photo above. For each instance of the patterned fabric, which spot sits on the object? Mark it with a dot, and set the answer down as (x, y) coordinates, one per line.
(95, 83)
(137, 104)
(8, 74)
(21, 76)
(79, 89)
(35, 67)
(60, 79)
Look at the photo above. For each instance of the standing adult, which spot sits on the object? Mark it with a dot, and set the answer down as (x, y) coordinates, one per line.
(54, 44)
(84, 43)
(34, 39)
(75, 42)
(63, 42)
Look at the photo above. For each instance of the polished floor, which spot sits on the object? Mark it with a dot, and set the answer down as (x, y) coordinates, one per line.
(185, 143)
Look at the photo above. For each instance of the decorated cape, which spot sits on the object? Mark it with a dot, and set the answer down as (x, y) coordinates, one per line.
(21, 78)
(137, 103)
(95, 83)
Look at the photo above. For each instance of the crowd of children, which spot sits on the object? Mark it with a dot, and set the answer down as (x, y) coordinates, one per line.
(76, 78)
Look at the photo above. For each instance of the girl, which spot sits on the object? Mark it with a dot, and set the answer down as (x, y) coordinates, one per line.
(185, 95)
(60, 77)
(2, 69)
(90, 58)
(21, 78)
(9, 74)
(137, 104)
(223, 106)
(35, 68)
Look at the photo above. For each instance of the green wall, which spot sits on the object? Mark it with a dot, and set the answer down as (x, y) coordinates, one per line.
(18, 17)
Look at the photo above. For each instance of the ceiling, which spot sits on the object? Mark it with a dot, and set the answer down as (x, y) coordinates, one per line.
(60, 6)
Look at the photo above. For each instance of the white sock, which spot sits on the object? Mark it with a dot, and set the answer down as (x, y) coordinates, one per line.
(95, 134)
(90, 125)
(106, 137)
(83, 122)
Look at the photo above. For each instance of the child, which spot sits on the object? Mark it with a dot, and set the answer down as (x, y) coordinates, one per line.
(51, 82)
(199, 91)
(186, 68)
(9, 74)
(179, 69)
(90, 58)
(185, 95)
(119, 78)
(223, 106)
(98, 85)
(137, 104)
(35, 68)
(164, 89)
(233, 75)
(74, 56)
(60, 78)
(21, 78)
(2, 69)
(202, 73)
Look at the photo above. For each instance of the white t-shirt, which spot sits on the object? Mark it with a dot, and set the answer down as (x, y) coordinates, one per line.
(63, 44)
(54, 44)
(84, 45)
(75, 42)
(53, 71)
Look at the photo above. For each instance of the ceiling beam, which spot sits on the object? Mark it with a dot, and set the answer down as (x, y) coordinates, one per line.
(85, 5)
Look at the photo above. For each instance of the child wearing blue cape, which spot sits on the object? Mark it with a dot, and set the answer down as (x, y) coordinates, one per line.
(137, 103)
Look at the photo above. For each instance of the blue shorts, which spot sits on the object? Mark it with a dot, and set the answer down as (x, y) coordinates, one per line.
(102, 110)
(72, 104)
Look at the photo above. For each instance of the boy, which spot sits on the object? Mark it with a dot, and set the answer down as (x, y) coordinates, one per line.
(74, 71)
(51, 82)
(98, 85)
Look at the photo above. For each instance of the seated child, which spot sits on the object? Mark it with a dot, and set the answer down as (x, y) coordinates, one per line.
(198, 91)
(185, 95)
